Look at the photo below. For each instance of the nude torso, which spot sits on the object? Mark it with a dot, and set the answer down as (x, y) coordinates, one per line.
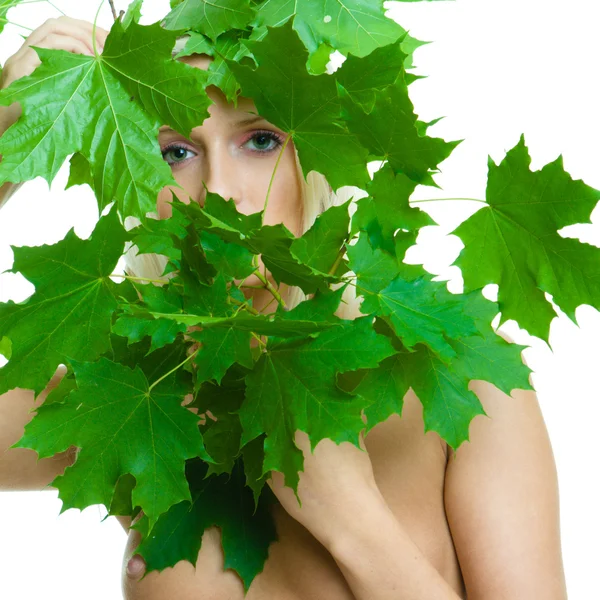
(409, 469)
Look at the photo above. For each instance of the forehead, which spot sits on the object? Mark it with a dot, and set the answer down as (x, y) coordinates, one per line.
(202, 61)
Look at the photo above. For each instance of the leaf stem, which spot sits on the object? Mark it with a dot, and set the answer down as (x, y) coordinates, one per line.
(287, 139)
(255, 265)
(259, 339)
(192, 355)
(249, 308)
(94, 29)
(54, 6)
(15, 24)
(268, 285)
(338, 259)
(112, 7)
(358, 286)
(142, 279)
(446, 199)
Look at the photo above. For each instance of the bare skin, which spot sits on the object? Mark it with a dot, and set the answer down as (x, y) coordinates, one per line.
(494, 543)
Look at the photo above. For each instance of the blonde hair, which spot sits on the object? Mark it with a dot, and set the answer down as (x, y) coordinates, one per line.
(317, 196)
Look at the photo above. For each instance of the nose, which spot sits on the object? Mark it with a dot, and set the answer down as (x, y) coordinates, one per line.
(222, 176)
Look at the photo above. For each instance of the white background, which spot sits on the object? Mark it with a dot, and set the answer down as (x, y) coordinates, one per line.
(495, 69)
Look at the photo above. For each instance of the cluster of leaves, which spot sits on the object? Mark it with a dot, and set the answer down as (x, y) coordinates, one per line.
(136, 351)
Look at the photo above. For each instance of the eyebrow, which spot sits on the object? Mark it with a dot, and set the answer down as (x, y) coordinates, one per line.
(247, 121)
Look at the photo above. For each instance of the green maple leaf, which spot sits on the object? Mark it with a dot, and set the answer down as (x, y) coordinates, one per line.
(109, 109)
(225, 337)
(320, 245)
(63, 389)
(223, 431)
(220, 349)
(272, 242)
(159, 235)
(448, 404)
(220, 217)
(122, 426)
(260, 324)
(390, 132)
(375, 268)
(197, 43)
(419, 309)
(304, 105)
(423, 311)
(232, 260)
(194, 269)
(121, 501)
(275, 245)
(514, 242)
(79, 171)
(293, 387)
(253, 454)
(364, 77)
(161, 331)
(133, 13)
(222, 346)
(318, 309)
(154, 366)
(5, 347)
(387, 209)
(228, 46)
(216, 500)
(69, 315)
(353, 27)
(210, 18)
(383, 388)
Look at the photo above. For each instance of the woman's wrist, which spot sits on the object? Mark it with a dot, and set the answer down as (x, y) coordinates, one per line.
(364, 505)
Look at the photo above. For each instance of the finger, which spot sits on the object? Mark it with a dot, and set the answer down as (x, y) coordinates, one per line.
(302, 441)
(67, 26)
(361, 440)
(61, 42)
(60, 25)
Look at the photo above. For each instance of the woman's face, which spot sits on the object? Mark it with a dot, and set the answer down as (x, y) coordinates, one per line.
(235, 158)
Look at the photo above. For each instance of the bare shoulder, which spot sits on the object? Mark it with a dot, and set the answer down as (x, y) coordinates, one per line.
(502, 501)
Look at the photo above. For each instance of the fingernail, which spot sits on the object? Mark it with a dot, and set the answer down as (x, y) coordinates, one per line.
(135, 566)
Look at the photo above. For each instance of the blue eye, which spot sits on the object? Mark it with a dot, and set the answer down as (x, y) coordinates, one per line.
(179, 153)
(270, 139)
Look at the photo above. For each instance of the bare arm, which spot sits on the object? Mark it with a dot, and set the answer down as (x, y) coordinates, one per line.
(20, 469)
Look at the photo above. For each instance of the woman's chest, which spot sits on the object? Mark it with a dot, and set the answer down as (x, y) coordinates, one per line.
(409, 468)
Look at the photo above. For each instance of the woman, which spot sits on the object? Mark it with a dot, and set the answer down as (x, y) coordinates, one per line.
(408, 519)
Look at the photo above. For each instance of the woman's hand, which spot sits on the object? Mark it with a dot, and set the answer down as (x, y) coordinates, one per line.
(337, 485)
(64, 33)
